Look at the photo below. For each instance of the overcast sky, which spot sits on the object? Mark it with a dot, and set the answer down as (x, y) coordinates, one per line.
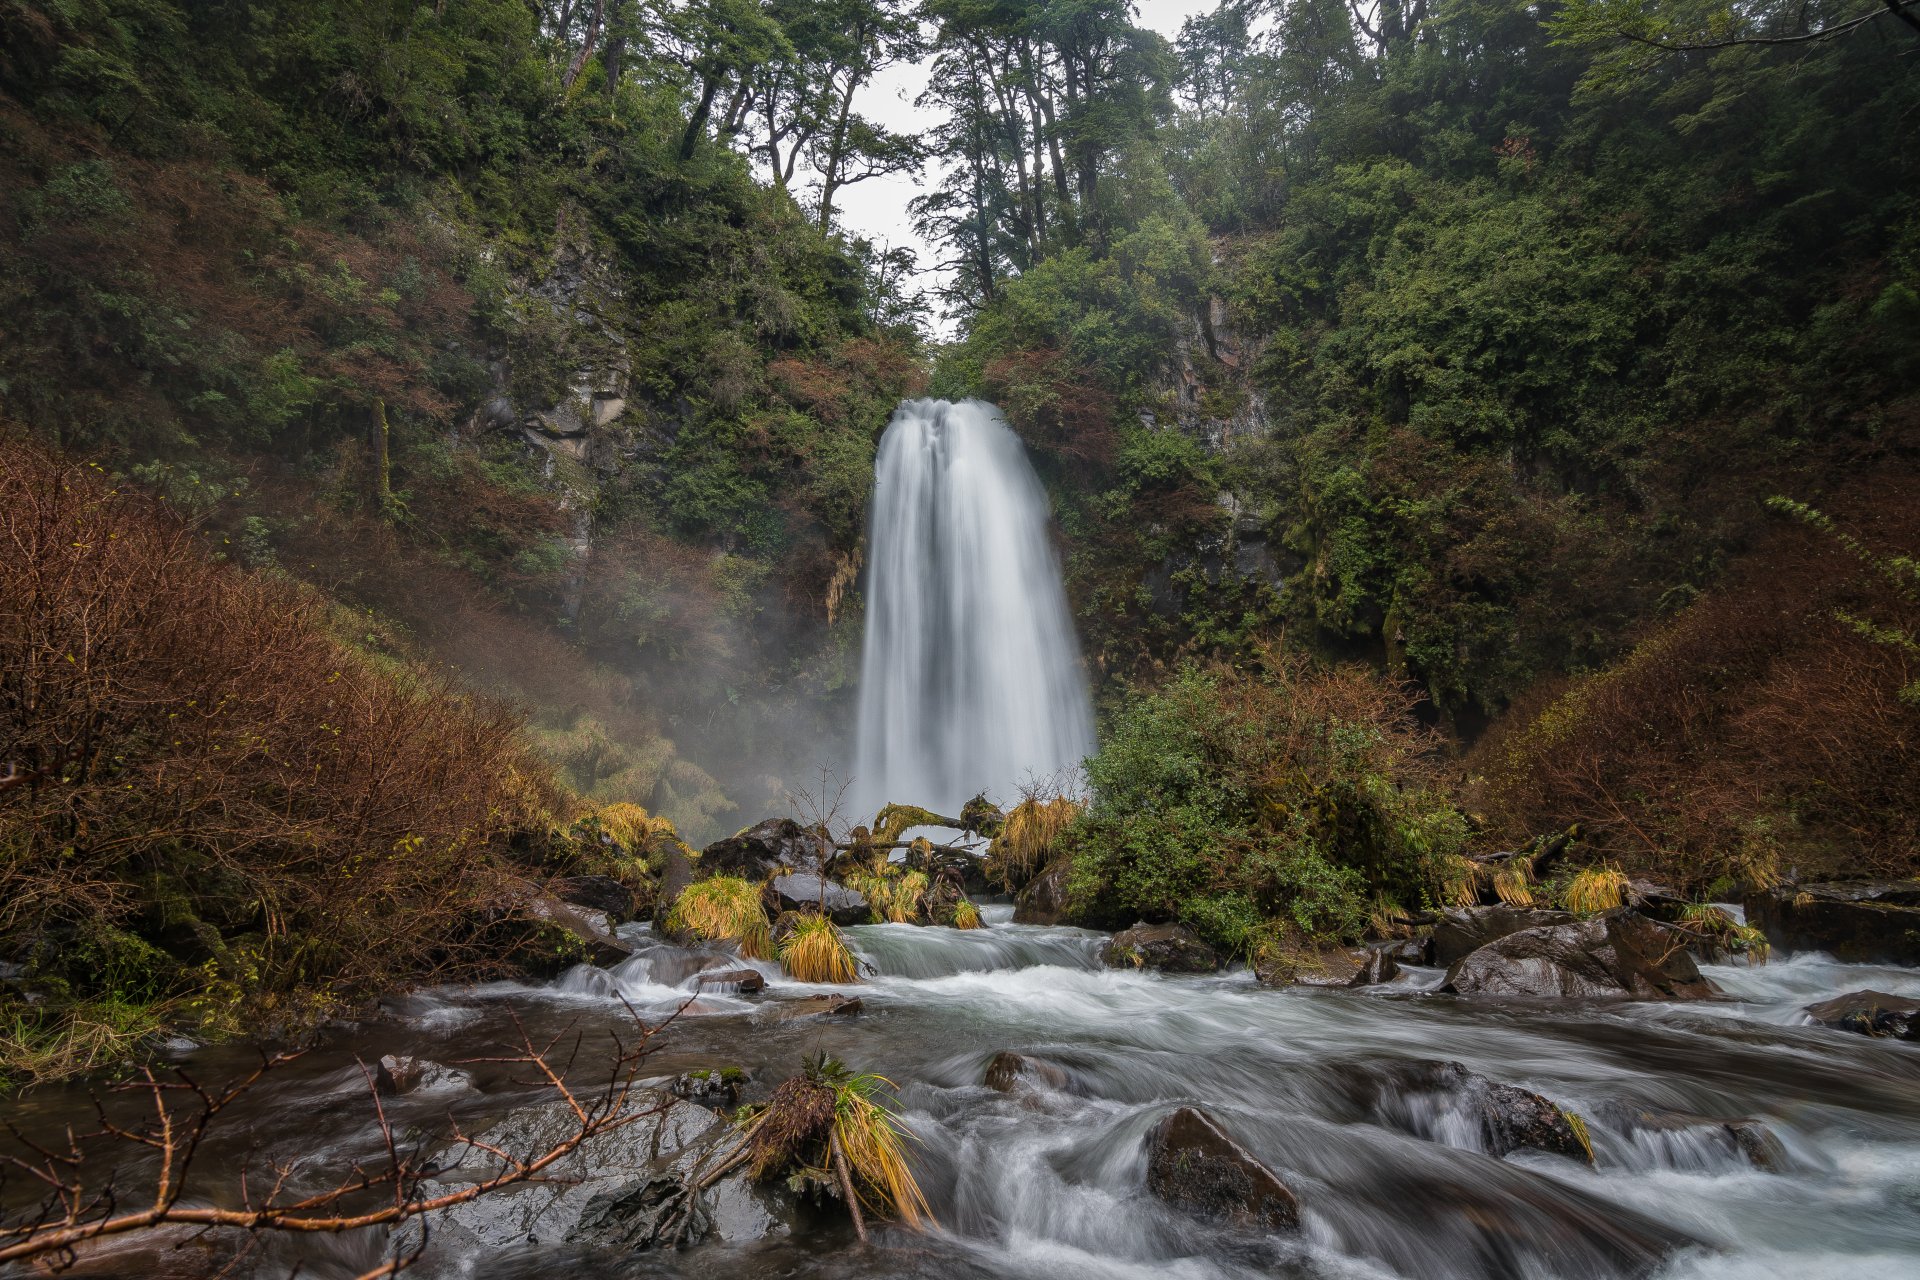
(877, 208)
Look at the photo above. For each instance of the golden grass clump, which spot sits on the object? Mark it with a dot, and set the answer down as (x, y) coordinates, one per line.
(870, 1139)
(1596, 889)
(815, 952)
(724, 909)
(966, 915)
(905, 897)
(632, 826)
(1033, 826)
(1513, 882)
(1726, 932)
(1580, 1133)
(1460, 880)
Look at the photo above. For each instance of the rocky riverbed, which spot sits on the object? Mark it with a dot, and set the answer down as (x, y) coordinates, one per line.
(1078, 1119)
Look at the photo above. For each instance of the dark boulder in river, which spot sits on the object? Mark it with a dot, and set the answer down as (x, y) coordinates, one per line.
(1868, 922)
(1461, 931)
(1193, 1165)
(1044, 900)
(1445, 1102)
(1171, 948)
(1378, 968)
(1621, 953)
(763, 849)
(613, 1191)
(1018, 1073)
(804, 891)
(600, 893)
(1871, 1013)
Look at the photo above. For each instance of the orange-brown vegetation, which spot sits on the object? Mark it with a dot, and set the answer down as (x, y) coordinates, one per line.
(1059, 407)
(211, 787)
(1753, 734)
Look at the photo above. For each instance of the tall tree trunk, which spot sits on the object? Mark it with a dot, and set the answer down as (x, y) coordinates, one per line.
(697, 122)
(382, 460)
(586, 46)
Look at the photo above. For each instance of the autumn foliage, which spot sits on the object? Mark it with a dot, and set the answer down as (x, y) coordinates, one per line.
(209, 794)
(1755, 733)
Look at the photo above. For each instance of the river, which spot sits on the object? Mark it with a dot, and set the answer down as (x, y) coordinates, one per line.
(1049, 1182)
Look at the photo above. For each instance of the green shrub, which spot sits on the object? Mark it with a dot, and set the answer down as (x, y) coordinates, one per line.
(1284, 795)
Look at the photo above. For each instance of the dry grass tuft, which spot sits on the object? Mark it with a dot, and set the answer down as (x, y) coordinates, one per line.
(966, 915)
(1596, 889)
(906, 897)
(870, 1138)
(1026, 843)
(632, 826)
(1460, 881)
(1513, 882)
(1726, 932)
(798, 1115)
(725, 909)
(815, 952)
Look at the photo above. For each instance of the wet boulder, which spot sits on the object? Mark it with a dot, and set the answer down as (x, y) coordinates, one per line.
(744, 982)
(612, 1191)
(1170, 948)
(1678, 1140)
(571, 931)
(397, 1074)
(1377, 969)
(1044, 899)
(1020, 1073)
(710, 1087)
(765, 849)
(1196, 1167)
(1621, 953)
(823, 1006)
(598, 893)
(805, 891)
(1460, 931)
(1444, 1102)
(1870, 1013)
(1864, 922)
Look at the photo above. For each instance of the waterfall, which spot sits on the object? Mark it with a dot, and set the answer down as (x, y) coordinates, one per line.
(970, 679)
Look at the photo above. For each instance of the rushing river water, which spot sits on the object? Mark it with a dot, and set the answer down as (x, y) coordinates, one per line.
(1050, 1182)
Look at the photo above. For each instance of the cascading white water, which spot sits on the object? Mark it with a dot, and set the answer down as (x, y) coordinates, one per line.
(970, 679)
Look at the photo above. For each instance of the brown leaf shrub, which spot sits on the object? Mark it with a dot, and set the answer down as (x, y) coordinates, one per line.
(1059, 408)
(200, 763)
(1751, 734)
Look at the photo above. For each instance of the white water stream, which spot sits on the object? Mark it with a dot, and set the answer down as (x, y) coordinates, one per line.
(970, 676)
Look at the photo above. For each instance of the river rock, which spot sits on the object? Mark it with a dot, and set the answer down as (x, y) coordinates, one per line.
(1377, 969)
(1870, 1013)
(1171, 948)
(590, 929)
(713, 1088)
(1445, 1102)
(746, 982)
(1044, 899)
(1868, 922)
(397, 1074)
(1621, 953)
(610, 1192)
(1017, 1073)
(805, 891)
(1688, 1142)
(1193, 1165)
(764, 849)
(1460, 931)
(600, 893)
(824, 1006)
